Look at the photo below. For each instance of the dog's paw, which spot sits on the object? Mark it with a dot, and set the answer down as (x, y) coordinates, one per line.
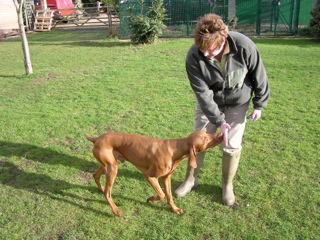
(178, 211)
(153, 199)
(117, 212)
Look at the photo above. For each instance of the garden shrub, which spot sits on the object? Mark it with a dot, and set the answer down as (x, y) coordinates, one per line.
(315, 21)
(146, 26)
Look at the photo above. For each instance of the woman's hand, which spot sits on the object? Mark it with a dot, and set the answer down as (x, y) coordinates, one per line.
(255, 115)
(225, 127)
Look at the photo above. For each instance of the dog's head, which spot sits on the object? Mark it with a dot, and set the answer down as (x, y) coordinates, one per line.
(201, 141)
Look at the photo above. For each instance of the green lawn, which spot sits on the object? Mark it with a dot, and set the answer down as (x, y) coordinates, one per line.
(86, 83)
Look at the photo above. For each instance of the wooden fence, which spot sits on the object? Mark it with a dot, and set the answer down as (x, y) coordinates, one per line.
(104, 16)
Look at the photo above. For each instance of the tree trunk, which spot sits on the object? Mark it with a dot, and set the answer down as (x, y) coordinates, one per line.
(25, 45)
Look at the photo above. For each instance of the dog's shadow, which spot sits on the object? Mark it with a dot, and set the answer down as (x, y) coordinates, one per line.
(16, 177)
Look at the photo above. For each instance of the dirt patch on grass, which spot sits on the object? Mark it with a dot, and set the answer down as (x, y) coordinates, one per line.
(46, 78)
(85, 176)
(3, 161)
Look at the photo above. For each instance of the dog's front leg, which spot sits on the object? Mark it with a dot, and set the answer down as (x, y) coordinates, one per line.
(155, 184)
(167, 188)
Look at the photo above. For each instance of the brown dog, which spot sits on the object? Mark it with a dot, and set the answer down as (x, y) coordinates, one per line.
(153, 157)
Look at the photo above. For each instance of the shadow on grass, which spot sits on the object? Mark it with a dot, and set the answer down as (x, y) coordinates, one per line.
(43, 155)
(8, 76)
(74, 37)
(45, 185)
(108, 44)
(286, 41)
(14, 176)
(211, 191)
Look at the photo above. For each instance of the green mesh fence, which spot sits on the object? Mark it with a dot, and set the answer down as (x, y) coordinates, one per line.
(181, 15)
(251, 17)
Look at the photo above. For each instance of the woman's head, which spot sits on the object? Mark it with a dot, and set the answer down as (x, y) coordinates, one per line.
(210, 31)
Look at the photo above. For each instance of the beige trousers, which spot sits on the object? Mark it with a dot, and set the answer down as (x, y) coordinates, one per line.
(235, 117)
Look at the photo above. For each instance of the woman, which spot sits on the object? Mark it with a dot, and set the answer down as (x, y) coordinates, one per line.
(225, 71)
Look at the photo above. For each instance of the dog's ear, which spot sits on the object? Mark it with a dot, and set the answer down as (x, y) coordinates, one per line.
(206, 140)
(192, 157)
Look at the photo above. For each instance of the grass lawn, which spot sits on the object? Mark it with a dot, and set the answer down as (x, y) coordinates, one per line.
(86, 83)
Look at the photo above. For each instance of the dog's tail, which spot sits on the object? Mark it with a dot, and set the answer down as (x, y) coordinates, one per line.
(91, 139)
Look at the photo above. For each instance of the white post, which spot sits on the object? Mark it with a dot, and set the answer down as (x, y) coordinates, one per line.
(232, 9)
(44, 4)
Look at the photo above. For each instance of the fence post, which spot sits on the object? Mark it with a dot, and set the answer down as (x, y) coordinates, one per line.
(258, 22)
(231, 8)
(188, 16)
(225, 8)
(109, 15)
(291, 14)
(296, 16)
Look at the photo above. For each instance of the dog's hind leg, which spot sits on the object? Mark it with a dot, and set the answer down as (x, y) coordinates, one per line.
(96, 175)
(110, 170)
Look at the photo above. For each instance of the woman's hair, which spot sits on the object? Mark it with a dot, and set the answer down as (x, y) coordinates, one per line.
(210, 29)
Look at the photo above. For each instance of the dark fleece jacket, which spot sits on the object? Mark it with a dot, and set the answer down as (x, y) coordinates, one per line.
(245, 76)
